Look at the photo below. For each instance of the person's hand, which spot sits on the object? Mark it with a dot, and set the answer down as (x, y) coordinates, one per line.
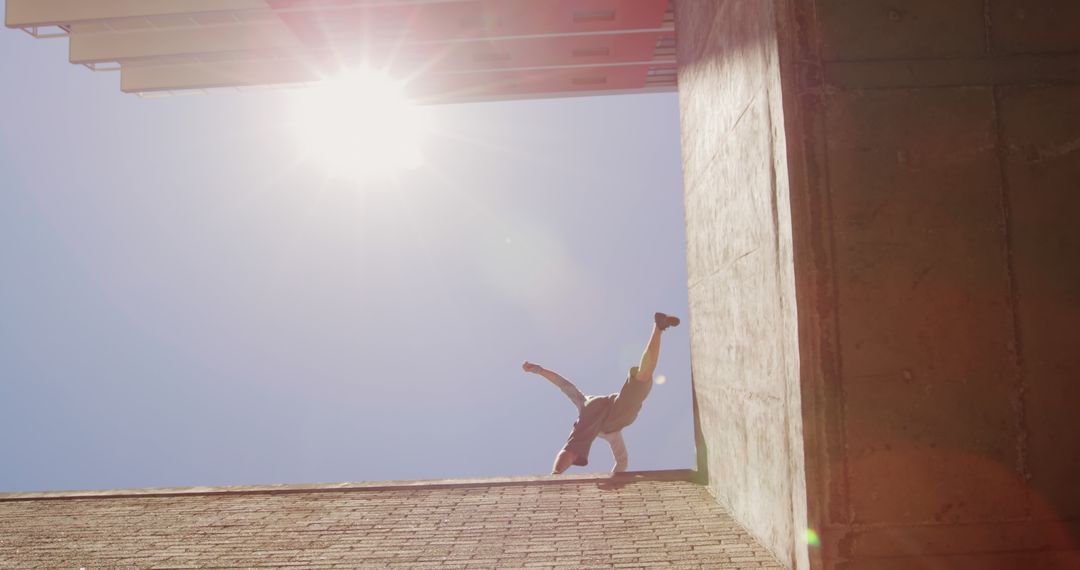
(530, 367)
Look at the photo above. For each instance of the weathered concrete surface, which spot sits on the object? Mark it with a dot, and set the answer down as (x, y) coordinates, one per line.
(925, 324)
(1040, 128)
(930, 155)
(1023, 26)
(908, 29)
(649, 520)
(741, 279)
(935, 184)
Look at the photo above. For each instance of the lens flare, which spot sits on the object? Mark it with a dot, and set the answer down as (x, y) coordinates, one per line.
(661, 379)
(359, 126)
(812, 537)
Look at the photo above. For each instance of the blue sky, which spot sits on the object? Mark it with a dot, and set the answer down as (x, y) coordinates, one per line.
(182, 303)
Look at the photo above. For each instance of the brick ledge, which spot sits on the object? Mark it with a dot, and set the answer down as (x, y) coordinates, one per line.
(620, 479)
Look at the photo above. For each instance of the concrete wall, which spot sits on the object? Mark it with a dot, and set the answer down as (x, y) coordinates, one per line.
(935, 182)
(918, 162)
(741, 281)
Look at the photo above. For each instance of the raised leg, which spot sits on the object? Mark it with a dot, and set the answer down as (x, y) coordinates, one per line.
(647, 366)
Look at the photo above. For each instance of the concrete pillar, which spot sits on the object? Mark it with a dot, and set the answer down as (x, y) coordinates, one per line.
(741, 275)
(932, 171)
(936, 184)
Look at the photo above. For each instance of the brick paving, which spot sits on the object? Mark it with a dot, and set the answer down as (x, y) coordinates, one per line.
(659, 520)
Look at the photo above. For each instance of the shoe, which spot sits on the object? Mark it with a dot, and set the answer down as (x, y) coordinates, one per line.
(664, 321)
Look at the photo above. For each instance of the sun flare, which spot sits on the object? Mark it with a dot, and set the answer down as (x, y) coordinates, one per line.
(359, 126)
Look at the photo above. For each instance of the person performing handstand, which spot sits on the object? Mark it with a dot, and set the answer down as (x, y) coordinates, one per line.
(606, 416)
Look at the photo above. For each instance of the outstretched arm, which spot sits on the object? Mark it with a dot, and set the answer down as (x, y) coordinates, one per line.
(563, 384)
(618, 450)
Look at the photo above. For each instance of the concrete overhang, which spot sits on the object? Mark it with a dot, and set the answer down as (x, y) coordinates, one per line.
(453, 50)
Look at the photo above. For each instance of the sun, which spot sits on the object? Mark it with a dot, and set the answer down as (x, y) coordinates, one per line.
(359, 126)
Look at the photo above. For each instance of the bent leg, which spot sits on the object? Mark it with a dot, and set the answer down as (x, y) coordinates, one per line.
(572, 392)
(567, 388)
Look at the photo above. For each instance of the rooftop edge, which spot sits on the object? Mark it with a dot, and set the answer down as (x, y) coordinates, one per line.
(618, 479)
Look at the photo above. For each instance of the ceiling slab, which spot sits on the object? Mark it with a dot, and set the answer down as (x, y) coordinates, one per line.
(449, 49)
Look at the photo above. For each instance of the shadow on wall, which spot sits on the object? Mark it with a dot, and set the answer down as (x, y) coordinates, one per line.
(733, 42)
(699, 439)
